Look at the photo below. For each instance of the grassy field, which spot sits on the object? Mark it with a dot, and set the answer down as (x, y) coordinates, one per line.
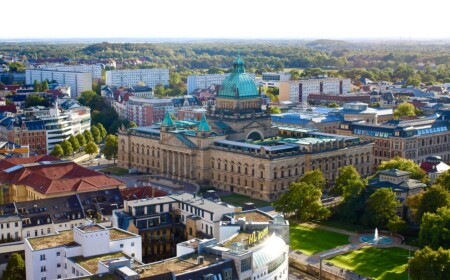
(115, 170)
(313, 240)
(239, 200)
(382, 264)
(341, 225)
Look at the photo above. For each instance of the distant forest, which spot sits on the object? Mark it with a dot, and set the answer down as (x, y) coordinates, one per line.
(373, 60)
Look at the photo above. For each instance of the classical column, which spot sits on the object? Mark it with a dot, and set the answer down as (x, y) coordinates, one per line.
(163, 163)
(185, 172)
(174, 160)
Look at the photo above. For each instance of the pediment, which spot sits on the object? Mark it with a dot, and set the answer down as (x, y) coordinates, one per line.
(253, 125)
(179, 141)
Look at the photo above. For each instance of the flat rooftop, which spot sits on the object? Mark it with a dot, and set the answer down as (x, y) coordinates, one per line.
(115, 234)
(91, 228)
(91, 263)
(177, 265)
(254, 216)
(65, 238)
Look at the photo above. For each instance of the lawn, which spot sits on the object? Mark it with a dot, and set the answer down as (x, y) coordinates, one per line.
(115, 170)
(387, 263)
(239, 200)
(310, 240)
(341, 225)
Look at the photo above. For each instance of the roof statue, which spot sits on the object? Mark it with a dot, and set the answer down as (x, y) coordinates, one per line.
(167, 121)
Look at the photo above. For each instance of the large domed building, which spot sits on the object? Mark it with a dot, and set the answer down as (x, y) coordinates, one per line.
(235, 148)
(238, 112)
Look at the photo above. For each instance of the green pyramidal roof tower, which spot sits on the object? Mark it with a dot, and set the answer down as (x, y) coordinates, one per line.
(167, 121)
(238, 85)
(203, 126)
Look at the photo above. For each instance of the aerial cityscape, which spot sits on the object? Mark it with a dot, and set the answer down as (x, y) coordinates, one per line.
(211, 140)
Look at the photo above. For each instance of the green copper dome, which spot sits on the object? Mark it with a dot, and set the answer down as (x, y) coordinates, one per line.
(238, 85)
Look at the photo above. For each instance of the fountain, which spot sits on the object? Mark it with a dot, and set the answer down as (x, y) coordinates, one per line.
(375, 239)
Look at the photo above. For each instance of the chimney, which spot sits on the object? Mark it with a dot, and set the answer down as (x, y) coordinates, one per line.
(200, 259)
(153, 192)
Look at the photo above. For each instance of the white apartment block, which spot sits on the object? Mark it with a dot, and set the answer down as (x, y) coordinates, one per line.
(82, 251)
(77, 81)
(276, 76)
(94, 69)
(150, 77)
(299, 90)
(205, 81)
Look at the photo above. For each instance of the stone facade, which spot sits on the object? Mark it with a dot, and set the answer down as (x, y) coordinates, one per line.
(239, 150)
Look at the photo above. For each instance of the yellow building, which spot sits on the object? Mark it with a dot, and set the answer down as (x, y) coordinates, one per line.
(237, 149)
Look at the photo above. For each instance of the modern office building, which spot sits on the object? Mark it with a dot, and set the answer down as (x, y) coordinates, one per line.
(81, 251)
(299, 90)
(235, 148)
(205, 81)
(150, 77)
(78, 81)
(42, 128)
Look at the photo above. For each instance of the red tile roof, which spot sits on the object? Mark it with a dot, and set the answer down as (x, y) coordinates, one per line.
(48, 176)
(8, 108)
(10, 162)
(141, 193)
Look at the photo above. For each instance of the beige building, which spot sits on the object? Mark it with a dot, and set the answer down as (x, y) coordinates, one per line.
(239, 151)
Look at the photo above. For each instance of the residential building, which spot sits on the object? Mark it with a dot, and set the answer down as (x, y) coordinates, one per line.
(434, 166)
(126, 78)
(81, 251)
(276, 76)
(411, 139)
(299, 90)
(165, 221)
(145, 112)
(191, 114)
(323, 99)
(238, 150)
(195, 82)
(257, 248)
(10, 228)
(94, 69)
(39, 177)
(400, 183)
(78, 81)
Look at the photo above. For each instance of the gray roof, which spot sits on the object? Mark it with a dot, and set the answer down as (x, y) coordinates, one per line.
(201, 203)
(9, 218)
(395, 172)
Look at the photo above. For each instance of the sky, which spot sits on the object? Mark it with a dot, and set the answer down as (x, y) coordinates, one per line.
(234, 19)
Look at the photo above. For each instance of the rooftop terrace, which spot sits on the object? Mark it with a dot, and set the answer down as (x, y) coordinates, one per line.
(91, 263)
(177, 265)
(255, 216)
(65, 238)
